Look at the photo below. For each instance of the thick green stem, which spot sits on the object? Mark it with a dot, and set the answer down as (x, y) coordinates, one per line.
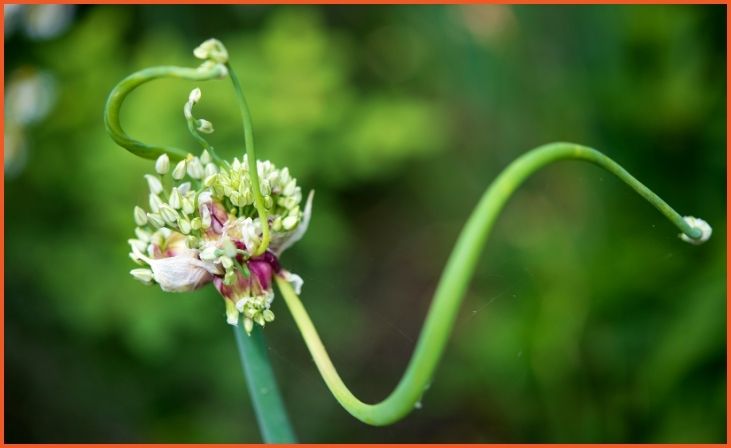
(453, 284)
(268, 406)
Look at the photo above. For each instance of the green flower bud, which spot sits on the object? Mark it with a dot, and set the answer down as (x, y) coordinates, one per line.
(277, 224)
(259, 319)
(232, 314)
(248, 325)
(229, 278)
(184, 226)
(236, 199)
(268, 315)
(290, 222)
(192, 241)
(195, 223)
(227, 262)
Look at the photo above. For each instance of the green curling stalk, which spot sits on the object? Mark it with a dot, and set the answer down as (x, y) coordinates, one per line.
(130, 83)
(455, 279)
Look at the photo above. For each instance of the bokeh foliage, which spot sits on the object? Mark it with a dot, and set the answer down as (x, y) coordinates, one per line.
(588, 319)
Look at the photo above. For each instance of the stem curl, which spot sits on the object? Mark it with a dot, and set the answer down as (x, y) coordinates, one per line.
(454, 282)
(128, 84)
(205, 72)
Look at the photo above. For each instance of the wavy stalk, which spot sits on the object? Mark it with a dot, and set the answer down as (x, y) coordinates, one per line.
(128, 84)
(453, 284)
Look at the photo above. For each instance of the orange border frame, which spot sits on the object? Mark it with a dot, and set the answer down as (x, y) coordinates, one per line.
(370, 2)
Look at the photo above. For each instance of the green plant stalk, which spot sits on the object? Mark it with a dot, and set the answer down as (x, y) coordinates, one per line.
(128, 84)
(268, 406)
(251, 157)
(454, 282)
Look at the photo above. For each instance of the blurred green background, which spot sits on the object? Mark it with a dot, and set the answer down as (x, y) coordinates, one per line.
(588, 319)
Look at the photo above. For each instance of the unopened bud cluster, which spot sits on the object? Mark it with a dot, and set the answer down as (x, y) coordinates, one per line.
(201, 225)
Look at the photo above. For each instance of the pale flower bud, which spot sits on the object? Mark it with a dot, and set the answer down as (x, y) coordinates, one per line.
(205, 157)
(213, 50)
(143, 234)
(184, 188)
(138, 244)
(205, 218)
(162, 165)
(179, 171)
(265, 187)
(210, 253)
(154, 183)
(155, 202)
(211, 169)
(195, 96)
(143, 275)
(188, 207)
(140, 216)
(699, 224)
(277, 224)
(156, 220)
(205, 126)
(169, 214)
(195, 168)
(175, 199)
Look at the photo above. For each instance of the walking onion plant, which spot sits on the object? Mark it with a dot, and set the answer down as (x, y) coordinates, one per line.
(227, 223)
